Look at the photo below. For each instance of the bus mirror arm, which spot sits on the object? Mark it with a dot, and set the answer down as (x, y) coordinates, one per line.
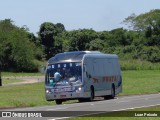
(88, 75)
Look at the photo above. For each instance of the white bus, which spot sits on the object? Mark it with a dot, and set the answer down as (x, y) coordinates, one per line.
(82, 75)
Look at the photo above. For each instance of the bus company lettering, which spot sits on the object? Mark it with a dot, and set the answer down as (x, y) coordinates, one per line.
(105, 79)
(109, 79)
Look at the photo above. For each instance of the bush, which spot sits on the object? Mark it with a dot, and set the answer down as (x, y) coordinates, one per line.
(151, 54)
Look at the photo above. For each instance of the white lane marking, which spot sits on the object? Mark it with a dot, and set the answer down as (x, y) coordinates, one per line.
(59, 118)
(132, 100)
(56, 109)
(123, 101)
(137, 107)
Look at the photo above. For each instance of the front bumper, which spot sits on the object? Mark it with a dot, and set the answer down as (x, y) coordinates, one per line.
(64, 95)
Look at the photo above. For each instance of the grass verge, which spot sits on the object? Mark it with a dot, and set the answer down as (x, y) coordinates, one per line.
(140, 82)
(138, 65)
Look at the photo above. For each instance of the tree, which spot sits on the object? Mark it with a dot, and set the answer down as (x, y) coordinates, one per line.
(148, 24)
(60, 28)
(16, 49)
(58, 41)
(119, 37)
(144, 21)
(97, 45)
(80, 39)
(47, 34)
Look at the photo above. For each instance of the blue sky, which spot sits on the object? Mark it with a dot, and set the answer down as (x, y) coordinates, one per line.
(99, 15)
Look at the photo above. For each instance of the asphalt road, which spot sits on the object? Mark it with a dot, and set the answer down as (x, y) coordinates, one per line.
(64, 111)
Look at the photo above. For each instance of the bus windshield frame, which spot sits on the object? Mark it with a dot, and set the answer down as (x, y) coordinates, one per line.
(69, 72)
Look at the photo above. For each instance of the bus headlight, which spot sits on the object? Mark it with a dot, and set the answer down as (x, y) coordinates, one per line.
(79, 89)
(48, 91)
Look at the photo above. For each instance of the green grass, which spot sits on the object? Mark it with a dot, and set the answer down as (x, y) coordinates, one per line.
(134, 82)
(23, 95)
(140, 82)
(127, 115)
(8, 81)
(20, 74)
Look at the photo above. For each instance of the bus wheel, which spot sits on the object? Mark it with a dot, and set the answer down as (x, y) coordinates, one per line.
(91, 94)
(112, 92)
(58, 102)
(106, 97)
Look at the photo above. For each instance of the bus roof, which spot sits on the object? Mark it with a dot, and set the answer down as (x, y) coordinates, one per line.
(70, 56)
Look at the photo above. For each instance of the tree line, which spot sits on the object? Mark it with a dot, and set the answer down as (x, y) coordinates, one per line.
(21, 50)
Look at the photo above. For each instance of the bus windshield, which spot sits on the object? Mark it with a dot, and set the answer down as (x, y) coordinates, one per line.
(63, 74)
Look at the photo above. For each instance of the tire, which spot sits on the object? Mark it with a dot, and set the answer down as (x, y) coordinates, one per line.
(58, 102)
(91, 98)
(106, 97)
(112, 92)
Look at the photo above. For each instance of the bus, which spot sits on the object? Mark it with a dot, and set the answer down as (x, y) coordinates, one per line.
(82, 75)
